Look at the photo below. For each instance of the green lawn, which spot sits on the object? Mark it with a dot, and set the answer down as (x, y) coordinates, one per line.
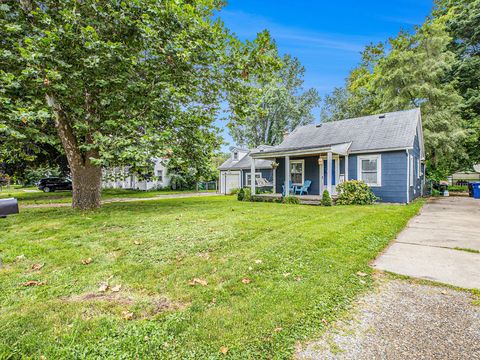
(28, 196)
(299, 265)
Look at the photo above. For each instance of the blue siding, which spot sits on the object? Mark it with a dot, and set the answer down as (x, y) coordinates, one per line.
(394, 176)
(311, 173)
(266, 174)
(415, 188)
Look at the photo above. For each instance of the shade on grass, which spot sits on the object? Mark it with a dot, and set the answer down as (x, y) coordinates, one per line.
(301, 263)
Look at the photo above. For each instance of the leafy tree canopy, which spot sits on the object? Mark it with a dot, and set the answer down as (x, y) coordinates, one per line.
(415, 72)
(112, 83)
(270, 98)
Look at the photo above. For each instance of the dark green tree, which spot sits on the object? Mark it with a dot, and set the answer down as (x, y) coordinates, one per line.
(111, 83)
(463, 25)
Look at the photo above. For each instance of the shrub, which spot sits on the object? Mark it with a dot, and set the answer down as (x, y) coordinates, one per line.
(458, 188)
(247, 194)
(326, 199)
(240, 195)
(291, 200)
(436, 192)
(354, 192)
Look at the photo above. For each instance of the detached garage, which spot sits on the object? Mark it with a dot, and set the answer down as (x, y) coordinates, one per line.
(235, 172)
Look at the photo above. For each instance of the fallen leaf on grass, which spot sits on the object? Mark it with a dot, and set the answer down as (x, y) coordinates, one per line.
(197, 281)
(127, 315)
(136, 242)
(86, 261)
(34, 283)
(359, 273)
(116, 288)
(363, 282)
(246, 281)
(103, 287)
(258, 261)
(20, 258)
(286, 274)
(278, 329)
(224, 350)
(37, 266)
(325, 321)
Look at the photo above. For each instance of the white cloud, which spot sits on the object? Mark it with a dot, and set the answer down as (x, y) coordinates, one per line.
(247, 25)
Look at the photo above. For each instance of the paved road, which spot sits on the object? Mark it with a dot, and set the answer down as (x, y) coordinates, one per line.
(435, 244)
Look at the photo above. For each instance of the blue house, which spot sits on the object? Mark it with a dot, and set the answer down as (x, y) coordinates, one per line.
(386, 151)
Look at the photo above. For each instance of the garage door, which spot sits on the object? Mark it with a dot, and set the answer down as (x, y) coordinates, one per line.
(231, 181)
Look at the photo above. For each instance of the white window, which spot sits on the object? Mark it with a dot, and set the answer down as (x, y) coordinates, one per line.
(369, 169)
(160, 175)
(248, 178)
(419, 169)
(235, 156)
(411, 170)
(297, 172)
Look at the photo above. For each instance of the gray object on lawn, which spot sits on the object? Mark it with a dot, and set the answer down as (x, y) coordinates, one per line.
(8, 207)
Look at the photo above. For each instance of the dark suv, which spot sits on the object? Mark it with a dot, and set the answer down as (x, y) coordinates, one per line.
(54, 183)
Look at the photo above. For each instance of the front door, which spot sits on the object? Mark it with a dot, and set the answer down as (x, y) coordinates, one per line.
(323, 171)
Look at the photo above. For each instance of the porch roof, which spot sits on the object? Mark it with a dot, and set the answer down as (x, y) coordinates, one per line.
(341, 149)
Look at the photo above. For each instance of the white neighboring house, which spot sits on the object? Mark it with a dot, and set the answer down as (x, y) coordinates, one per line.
(122, 179)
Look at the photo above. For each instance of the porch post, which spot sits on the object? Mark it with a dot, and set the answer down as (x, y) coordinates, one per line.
(275, 179)
(329, 172)
(252, 177)
(287, 175)
(346, 167)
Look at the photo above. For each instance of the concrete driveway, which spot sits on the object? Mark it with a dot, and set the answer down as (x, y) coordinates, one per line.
(441, 244)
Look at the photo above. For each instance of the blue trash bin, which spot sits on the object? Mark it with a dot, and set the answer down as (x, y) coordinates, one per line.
(476, 190)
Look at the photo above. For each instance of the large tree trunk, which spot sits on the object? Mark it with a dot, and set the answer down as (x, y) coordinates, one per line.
(86, 177)
(87, 185)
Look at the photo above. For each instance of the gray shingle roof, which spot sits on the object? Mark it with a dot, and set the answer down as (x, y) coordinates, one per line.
(386, 131)
(245, 163)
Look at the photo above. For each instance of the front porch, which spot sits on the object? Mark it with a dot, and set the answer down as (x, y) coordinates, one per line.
(319, 168)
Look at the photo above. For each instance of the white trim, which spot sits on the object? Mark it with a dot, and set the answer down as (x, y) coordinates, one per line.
(377, 157)
(300, 161)
(419, 170)
(329, 172)
(274, 171)
(253, 183)
(286, 183)
(380, 150)
(411, 178)
(249, 173)
(322, 170)
(346, 168)
(408, 177)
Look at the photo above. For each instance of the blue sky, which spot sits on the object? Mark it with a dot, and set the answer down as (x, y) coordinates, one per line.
(326, 36)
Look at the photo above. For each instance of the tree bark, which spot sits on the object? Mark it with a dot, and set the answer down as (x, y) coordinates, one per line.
(86, 177)
(87, 183)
